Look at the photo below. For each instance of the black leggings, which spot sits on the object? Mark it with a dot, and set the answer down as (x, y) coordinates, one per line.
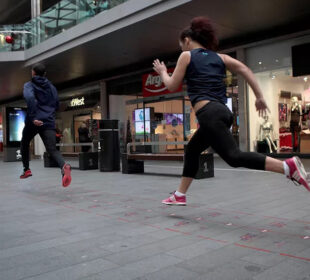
(48, 137)
(215, 119)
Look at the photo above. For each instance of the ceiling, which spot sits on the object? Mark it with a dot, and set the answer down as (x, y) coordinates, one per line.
(237, 22)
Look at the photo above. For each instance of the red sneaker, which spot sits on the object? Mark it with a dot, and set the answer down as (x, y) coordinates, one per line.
(297, 172)
(26, 174)
(175, 200)
(66, 175)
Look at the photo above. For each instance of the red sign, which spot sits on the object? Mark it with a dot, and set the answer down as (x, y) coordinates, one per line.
(153, 85)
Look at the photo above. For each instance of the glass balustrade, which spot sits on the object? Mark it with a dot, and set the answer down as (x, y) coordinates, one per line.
(57, 19)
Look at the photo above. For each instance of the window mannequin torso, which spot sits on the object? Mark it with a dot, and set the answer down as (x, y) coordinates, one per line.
(296, 114)
(266, 133)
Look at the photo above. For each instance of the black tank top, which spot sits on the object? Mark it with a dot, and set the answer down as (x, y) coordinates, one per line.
(205, 76)
(295, 116)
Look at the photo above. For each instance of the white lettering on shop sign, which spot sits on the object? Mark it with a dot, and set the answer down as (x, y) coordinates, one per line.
(77, 102)
(155, 81)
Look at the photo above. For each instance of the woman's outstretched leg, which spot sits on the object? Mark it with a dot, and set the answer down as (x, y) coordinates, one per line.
(224, 144)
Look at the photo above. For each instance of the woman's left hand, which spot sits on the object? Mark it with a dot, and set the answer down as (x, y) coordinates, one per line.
(159, 67)
(261, 107)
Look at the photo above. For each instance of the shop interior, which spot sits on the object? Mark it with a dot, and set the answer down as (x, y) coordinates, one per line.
(71, 124)
(169, 120)
(286, 128)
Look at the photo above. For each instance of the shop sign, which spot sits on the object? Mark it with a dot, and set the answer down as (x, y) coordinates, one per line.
(153, 84)
(77, 102)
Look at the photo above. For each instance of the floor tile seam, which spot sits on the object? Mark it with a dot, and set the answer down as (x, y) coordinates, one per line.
(43, 240)
(265, 229)
(59, 269)
(53, 246)
(215, 222)
(125, 220)
(262, 230)
(252, 214)
(53, 269)
(231, 211)
(223, 210)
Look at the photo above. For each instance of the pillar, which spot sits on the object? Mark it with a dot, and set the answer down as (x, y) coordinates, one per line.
(243, 107)
(104, 101)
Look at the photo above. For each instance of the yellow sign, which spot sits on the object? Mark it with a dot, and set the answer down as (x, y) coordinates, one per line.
(77, 102)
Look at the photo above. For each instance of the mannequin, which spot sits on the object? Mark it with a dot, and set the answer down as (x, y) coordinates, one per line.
(266, 133)
(295, 123)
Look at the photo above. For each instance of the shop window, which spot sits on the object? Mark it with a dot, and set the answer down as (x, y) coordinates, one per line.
(286, 129)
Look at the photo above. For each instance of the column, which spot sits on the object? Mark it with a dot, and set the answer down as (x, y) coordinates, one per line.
(36, 8)
(243, 108)
(104, 101)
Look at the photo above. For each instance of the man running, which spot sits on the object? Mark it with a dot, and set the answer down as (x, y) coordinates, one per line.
(42, 102)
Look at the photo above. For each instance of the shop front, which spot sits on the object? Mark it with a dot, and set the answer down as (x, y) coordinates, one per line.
(75, 120)
(157, 115)
(283, 73)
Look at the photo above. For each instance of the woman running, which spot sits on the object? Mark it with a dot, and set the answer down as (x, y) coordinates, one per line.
(204, 71)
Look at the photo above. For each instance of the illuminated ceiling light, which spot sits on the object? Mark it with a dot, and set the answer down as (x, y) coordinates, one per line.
(260, 63)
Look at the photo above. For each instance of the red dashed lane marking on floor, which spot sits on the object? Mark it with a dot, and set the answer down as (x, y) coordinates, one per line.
(295, 257)
(175, 230)
(253, 248)
(215, 214)
(212, 239)
(184, 233)
(262, 230)
(209, 208)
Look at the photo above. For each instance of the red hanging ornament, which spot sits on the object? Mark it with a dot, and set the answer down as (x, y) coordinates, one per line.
(9, 39)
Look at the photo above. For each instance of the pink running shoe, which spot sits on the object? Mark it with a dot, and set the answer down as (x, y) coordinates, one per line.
(297, 172)
(175, 200)
(26, 174)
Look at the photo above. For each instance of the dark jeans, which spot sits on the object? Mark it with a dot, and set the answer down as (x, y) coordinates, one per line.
(215, 119)
(48, 137)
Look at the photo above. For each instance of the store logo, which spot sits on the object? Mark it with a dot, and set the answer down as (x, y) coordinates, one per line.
(77, 102)
(153, 84)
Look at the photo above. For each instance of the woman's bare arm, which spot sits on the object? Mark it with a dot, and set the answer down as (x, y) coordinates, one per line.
(174, 81)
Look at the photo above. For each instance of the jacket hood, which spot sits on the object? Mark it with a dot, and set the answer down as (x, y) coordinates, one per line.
(41, 82)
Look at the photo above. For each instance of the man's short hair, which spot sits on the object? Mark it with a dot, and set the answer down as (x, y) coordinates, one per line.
(39, 69)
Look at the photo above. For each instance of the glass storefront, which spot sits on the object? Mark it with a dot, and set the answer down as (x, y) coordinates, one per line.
(148, 112)
(75, 121)
(169, 120)
(286, 129)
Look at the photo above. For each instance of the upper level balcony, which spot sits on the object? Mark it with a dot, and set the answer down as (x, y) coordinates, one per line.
(55, 20)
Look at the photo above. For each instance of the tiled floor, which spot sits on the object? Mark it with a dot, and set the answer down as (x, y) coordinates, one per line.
(241, 224)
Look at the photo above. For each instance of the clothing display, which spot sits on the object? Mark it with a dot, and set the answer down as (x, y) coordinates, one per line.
(266, 134)
(295, 123)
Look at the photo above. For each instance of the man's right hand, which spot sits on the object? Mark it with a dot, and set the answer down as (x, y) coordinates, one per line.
(37, 123)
